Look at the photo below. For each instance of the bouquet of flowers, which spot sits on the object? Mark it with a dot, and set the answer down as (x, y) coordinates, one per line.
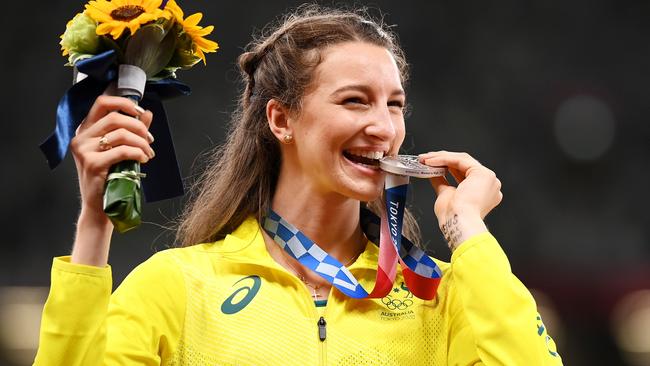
(130, 48)
(150, 34)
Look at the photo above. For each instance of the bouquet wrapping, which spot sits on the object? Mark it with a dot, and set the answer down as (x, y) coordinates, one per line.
(123, 192)
(130, 48)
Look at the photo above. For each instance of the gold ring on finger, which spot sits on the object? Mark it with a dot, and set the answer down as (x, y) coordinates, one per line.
(103, 144)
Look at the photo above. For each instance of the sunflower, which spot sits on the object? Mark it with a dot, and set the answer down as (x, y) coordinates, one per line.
(192, 29)
(115, 16)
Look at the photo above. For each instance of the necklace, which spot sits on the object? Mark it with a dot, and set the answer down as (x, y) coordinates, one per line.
(315, 295)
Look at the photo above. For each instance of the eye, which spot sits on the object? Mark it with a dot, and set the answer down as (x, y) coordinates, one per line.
(353, 100)
(396, 103)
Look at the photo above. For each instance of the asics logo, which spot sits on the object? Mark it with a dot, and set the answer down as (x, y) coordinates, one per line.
(229, 307)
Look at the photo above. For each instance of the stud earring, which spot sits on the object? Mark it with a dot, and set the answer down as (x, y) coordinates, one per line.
(287, 139)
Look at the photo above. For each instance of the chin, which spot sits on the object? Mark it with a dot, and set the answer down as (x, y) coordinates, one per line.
(361, 183)
(365, 192)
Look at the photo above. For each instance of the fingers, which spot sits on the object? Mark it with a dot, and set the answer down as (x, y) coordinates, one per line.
(121, 137)
(106, 104)
(458, 176)
(114, 130)
(146, 118)
(97, 164)
(113, 138)
(118, 143)
(478, 190)
(91, 159)
(440, 184)
(124, 152)
(458, 164)
(115, 121)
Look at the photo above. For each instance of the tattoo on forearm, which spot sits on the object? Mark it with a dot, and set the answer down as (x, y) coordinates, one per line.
(451, 232)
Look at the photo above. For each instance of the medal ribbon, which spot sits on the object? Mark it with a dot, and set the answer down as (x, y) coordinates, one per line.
(421, 274)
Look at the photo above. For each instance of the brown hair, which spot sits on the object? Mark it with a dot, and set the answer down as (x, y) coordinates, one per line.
(241, 175)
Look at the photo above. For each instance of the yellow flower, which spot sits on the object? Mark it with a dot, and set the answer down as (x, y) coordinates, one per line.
(115, 16)
(175, 10)
(195, 31)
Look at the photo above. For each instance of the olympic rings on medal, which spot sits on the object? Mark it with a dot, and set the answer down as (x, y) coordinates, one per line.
(103, 144)
(396, 304)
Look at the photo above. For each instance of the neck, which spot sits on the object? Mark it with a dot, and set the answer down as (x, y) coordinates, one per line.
(329, 219)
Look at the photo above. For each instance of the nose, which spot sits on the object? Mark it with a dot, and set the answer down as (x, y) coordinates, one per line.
(382, 124)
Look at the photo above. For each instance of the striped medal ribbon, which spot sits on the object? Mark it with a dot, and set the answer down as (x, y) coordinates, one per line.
(421, 274)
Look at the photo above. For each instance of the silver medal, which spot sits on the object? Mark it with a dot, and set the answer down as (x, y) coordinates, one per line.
(410, 166)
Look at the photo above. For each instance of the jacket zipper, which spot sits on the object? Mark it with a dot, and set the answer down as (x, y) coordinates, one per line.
(322, 335)
(322, 329)
(321, 325)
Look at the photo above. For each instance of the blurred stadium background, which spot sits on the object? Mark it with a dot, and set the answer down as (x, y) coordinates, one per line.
(552, 95)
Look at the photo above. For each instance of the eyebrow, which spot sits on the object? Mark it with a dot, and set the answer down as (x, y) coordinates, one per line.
(364, 88)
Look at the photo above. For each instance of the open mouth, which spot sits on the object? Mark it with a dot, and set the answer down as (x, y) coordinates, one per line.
(366, 158)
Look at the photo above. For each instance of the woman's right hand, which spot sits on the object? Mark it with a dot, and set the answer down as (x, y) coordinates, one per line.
(126, 137)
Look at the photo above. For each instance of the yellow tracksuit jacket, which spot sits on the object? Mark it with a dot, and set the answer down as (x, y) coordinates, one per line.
(230, 303)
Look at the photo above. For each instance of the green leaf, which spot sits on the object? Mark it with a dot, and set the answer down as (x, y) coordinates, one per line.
(123, 198)
(109, 44)
(166, 73)
(184, 57)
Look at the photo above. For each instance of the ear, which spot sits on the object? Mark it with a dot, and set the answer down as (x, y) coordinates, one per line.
(277, 115)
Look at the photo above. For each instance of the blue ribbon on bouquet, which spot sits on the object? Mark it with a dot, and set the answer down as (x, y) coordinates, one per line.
(163, 175)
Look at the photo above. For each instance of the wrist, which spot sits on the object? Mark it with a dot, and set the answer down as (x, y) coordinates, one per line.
(92, 239)
(94, 217)
(458, 226)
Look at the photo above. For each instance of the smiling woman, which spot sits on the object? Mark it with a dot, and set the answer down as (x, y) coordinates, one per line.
(354, 108)
(323, 101)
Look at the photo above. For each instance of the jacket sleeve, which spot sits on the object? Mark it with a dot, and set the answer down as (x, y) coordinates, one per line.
(139, 324)
(495, 320)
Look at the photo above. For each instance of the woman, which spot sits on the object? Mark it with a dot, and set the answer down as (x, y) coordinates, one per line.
(324, 98)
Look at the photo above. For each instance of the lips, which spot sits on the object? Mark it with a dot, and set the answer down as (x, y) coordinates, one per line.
(367, 158)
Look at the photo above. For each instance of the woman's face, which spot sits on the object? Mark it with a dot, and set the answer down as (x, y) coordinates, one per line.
(353, 109)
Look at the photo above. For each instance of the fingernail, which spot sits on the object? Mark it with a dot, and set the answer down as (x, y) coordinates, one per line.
(150, 136)
(139, 109)
(152, 154)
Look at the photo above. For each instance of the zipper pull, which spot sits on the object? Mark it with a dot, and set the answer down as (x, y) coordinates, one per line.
(322, 330)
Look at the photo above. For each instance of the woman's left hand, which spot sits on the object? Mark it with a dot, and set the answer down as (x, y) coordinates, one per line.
(460, 210)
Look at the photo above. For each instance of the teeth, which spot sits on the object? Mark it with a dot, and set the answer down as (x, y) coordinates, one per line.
(369, 166)
(367, 154)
